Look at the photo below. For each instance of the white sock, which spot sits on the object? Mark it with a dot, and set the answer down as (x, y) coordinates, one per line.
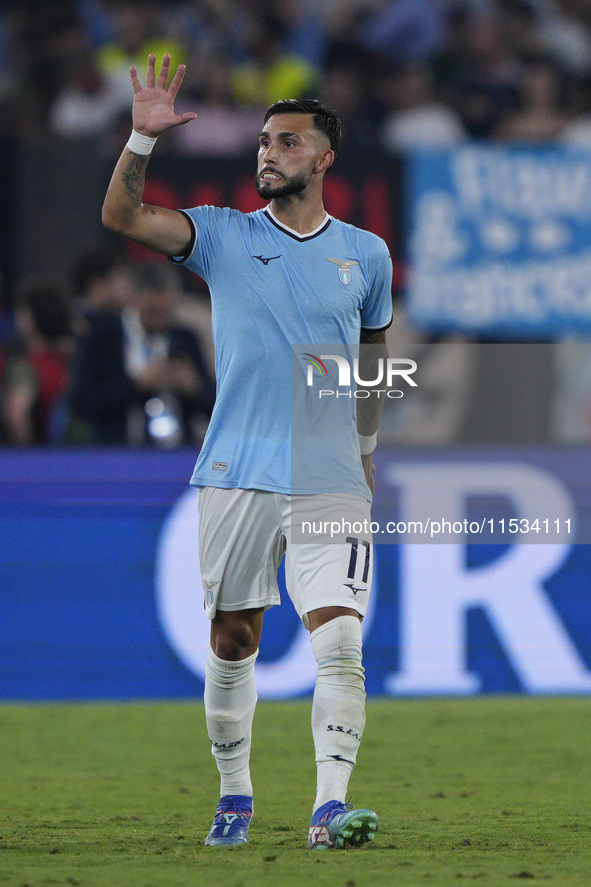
(338, 709)
(230, 699)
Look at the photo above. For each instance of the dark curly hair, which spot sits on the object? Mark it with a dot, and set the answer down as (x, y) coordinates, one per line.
(326, 120)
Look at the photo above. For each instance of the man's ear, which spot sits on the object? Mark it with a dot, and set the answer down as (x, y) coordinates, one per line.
(325, 160)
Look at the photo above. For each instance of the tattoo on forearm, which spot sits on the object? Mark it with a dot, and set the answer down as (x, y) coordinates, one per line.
(133, 176)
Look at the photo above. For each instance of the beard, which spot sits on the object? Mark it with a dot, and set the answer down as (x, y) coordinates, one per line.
(294, 185)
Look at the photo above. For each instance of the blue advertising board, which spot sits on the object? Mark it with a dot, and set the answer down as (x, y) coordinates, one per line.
(101, 596)
(500, 240)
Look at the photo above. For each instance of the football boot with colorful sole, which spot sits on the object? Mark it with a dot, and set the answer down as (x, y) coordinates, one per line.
(338, 826)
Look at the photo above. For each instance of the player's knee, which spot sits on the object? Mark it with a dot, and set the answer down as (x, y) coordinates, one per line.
(233, 639)
(232, 647)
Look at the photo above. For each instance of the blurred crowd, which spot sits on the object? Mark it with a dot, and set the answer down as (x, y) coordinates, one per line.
(108, 361)
(120, 354)
(404, 72)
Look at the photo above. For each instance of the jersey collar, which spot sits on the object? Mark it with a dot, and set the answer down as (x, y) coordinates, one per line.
(301, 237)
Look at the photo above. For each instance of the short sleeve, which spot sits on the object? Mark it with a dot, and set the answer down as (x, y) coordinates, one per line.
(209, 225)
(376, 311)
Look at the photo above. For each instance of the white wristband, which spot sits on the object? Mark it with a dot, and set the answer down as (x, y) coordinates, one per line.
(140, 144)
(368, 443)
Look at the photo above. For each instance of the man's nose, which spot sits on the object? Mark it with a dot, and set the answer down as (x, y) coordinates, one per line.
(270, 154)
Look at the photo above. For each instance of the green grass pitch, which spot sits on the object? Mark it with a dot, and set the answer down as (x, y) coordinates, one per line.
(490, 791)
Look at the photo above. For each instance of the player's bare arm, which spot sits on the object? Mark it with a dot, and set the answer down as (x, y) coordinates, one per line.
(163, 230)
(369, 409)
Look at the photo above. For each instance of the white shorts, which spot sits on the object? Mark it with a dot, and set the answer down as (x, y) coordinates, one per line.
(243, 535)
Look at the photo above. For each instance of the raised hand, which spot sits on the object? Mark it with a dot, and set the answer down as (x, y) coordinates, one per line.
(153, 107)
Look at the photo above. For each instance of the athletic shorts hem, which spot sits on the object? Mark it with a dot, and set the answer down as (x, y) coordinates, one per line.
(265, 604)
(349, 605)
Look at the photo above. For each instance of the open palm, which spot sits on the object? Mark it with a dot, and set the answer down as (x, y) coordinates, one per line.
(153, 106)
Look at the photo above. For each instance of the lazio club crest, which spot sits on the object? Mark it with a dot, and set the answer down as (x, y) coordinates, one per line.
(345, 266)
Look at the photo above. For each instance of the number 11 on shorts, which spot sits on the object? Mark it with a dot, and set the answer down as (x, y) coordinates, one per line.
(354, 542)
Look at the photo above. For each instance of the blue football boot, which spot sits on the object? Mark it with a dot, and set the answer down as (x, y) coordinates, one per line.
(231, 821)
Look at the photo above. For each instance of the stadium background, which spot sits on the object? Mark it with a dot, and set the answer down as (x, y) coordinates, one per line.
(99, 586)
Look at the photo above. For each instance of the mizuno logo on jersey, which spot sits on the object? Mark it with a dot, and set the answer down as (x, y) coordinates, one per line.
(345, 266)
(266, 259)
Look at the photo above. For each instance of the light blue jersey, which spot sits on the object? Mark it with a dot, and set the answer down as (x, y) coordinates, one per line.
(271, 289)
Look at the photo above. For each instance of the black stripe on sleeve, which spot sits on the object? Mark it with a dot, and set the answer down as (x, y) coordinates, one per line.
(378, 329)
(178, 260)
